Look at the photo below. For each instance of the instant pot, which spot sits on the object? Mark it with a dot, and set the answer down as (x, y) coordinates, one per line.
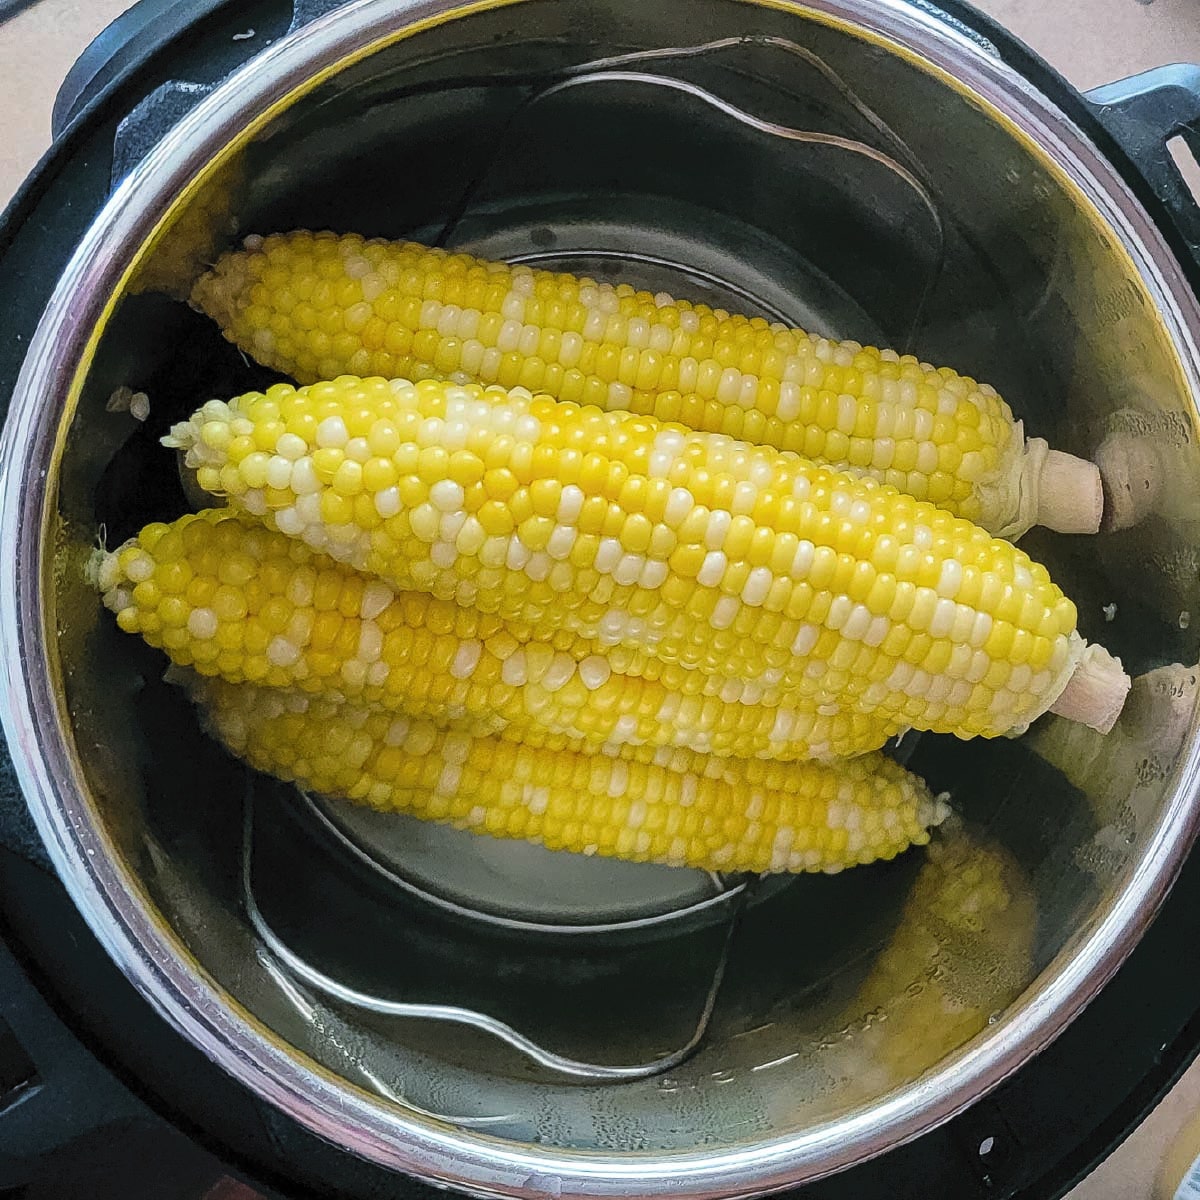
(196, 958)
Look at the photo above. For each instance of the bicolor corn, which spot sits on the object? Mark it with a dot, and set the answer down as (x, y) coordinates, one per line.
(318, 305)
(219, 592)
(711, 813)
(691, 548)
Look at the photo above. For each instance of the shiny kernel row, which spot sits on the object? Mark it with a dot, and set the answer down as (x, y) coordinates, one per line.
(223, 594)
(691, 548)
(316, 306)
(809, 817)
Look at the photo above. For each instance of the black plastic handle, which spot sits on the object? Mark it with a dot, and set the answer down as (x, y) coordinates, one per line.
(1142, 114)
(74, 1125)
(144, 33)
(135, 36)
(51, 1091)
(140, 44)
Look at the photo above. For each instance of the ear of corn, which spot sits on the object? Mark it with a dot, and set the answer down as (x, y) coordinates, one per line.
(752, 816)
(689, 547)
(219, 592)
(316, 306)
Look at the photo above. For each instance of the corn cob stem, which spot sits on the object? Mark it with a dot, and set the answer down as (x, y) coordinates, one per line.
(219, 592)
(688, 547)
(1068, 496)
(1095, 692)
(316, 306)
(744, 816)
(1148, 740)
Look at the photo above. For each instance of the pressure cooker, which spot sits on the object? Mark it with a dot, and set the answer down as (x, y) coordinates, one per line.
(405, 1008)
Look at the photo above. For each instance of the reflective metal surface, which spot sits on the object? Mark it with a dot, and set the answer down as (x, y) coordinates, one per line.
(1051, 283)
(312, 977)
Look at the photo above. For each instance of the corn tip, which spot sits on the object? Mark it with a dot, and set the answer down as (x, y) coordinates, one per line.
(182, 436)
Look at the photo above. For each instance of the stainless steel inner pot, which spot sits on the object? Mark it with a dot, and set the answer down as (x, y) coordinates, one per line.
(857, 167)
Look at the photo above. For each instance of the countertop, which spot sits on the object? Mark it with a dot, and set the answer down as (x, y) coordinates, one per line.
(1090, 41)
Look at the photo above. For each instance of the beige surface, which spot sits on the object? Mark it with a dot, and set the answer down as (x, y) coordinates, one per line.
(1090, 41)
(1096, 41)
(37, 49)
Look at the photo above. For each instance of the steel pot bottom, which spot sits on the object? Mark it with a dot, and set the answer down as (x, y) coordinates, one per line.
(855, 168)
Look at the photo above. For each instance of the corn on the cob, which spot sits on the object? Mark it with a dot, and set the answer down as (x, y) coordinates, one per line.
(218, 591)
(690, 547)
(316, 306)
(716, 814)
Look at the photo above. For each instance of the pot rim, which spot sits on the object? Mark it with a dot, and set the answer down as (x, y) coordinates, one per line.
(112, 901)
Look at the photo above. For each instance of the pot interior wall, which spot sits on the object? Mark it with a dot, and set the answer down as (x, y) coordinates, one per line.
(839, 990)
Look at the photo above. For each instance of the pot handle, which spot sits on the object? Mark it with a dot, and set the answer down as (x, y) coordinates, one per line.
(132, 38)
(140, 33)
(1142, 114)
(51, 1090)
(69, 1127)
